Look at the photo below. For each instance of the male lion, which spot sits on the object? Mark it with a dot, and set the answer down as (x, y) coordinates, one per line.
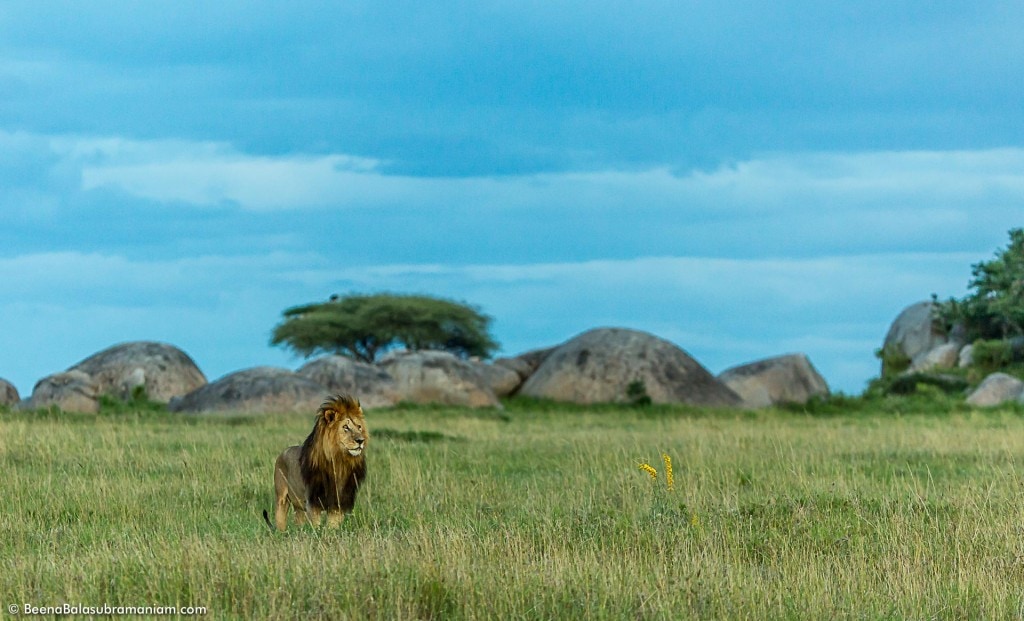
(326, 471)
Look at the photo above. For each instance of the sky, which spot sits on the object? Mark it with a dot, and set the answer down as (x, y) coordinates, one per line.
(745, 179)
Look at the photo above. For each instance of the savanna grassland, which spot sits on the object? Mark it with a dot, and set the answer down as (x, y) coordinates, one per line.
(536, 512)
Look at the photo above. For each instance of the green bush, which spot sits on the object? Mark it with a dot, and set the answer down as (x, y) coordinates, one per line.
(636, 393)
(991, 354)
(927, 383)
(894, 361)
(995, 310)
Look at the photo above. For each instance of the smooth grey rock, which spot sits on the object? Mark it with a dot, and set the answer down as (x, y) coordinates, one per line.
(372, 385)
(163, 370)
(913, 332)
(527, 363)
(70, 391)
(438, 377)
(943, 356)
(8, 393)
(783, 379)
(599, 365)
(996, 389)
(255, 390)
(966, 356)
(502, 380)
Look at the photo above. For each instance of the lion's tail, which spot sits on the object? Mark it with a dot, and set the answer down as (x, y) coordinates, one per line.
(266, 518)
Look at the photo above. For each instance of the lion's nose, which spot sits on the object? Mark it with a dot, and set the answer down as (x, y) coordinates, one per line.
(360, 441)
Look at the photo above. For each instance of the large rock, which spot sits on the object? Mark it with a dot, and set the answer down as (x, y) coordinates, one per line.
(996, 389)
(913, 332)
(773, 381)
(966, 356)
(502, 380)
(255, 390)
(527, 363)
(372, 385)
(70, 391)
(598, 367)
(164, 370)
(438, 377)
(943, 356)
(8, 393)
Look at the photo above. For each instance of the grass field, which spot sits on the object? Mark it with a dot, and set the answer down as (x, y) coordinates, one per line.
(537, 512)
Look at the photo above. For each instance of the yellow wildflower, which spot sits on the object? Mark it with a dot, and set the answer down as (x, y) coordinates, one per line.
(649, 469)
(669, 479)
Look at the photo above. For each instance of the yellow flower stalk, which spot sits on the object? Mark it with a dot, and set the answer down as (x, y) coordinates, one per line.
(669, 479)
(649, 469)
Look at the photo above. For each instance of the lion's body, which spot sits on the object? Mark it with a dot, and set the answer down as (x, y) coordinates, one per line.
(324, 472)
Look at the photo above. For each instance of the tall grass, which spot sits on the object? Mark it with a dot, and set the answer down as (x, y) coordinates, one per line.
(537, 513)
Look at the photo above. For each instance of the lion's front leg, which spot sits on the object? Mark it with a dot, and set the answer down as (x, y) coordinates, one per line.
(313, 513)
(334, 518)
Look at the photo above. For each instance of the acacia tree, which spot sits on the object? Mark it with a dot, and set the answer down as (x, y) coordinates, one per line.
(995, 310)
(364, 326)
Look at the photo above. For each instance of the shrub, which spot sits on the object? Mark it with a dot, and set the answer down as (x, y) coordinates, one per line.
(995, 310)
(894, 361)
(991, 354)
(636, 393)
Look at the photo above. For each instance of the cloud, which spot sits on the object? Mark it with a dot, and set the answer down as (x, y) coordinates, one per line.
(204, 196)
(936, 186)
(512, 88)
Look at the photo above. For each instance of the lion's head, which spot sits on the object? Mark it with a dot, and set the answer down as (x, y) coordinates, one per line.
(340, 430)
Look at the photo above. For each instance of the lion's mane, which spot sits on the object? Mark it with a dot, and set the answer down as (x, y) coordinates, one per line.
(332, 476)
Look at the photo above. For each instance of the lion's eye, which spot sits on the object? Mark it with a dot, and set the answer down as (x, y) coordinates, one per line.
(347, 429)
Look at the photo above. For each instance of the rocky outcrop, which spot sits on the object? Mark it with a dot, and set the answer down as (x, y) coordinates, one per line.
(599, 366)
(372, 385)
(913, 333)
(163, 370)
(525, 364)
(943, 356)
(8, 393)
(70, 391)
(996, 389)
(255, 390)
(966, 356)
(438, 377)
(774, 381)
(502, 380)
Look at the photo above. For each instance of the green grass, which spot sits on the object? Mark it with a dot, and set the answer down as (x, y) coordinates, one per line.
(536, 512)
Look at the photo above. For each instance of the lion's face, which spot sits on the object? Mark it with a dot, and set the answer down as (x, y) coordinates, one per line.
(352, 435)
(346, 427)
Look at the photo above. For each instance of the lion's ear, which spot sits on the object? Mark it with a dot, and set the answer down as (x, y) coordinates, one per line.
(330, 414)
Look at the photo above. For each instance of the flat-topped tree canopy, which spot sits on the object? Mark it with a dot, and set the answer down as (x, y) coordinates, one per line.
(365, 326)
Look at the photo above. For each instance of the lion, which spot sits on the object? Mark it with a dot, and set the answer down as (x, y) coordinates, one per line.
(326, 471)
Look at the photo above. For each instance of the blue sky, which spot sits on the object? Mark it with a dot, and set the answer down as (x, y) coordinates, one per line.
(745, 179)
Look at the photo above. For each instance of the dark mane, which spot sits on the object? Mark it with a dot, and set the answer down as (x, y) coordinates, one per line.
(332, 476)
